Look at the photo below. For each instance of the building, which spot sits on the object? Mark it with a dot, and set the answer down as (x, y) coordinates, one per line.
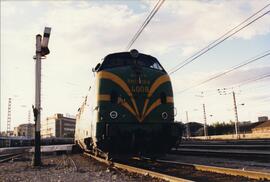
(26, 130)
(262, 118)
(58, 126)
(5, 133)
(262, 128)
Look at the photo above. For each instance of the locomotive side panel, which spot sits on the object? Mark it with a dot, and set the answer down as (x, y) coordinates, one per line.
(85, 123)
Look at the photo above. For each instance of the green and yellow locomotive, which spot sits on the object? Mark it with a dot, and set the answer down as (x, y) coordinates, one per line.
(130, 109)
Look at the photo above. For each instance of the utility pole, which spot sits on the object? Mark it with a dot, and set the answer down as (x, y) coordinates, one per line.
(205, 131)
(41, 50)
(187, 126)
(9, 117)
(236, 117)
(205, 124)
(28, 125)
(236, 123)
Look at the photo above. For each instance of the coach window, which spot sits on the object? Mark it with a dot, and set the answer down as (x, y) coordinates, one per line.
(163, 98)
(114, 97)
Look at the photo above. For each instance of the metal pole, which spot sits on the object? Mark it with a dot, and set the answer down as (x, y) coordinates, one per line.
(205, 124)
(187, 127)
(36, 109)
(28, 125)
(236, 116)
(9, 117)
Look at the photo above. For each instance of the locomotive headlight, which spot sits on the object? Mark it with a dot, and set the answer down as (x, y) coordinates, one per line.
(134, 53)
(113, 114)
(164, 115)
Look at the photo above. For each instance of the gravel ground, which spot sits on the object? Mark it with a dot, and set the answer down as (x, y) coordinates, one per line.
(66, 168)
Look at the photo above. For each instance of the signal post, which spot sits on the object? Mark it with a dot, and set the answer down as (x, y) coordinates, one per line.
(41, 51)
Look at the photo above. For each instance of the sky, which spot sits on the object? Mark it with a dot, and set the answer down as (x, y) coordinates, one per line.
(84, 32)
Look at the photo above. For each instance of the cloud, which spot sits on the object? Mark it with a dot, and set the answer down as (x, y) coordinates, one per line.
(264, 98)
(84, 32)
(242, 75)
(188, 84)
(194, 24)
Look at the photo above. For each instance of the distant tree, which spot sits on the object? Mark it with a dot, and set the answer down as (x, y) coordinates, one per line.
(221, 128)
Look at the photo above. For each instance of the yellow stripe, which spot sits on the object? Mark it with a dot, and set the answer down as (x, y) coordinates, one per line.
(153, 106)
(104, 97)
(107, 97)
(128, 107)
(116, 79)
(156, 104)
(160, 80)
(145, 106)
(169, 99)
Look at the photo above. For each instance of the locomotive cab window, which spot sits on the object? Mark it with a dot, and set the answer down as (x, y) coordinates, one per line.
(163, 98)
(125, 59)
(156, 66)
(114, 97)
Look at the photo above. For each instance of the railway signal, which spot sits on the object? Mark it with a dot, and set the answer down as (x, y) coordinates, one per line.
(41, 51)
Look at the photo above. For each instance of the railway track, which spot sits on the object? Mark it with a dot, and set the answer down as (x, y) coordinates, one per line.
(243, 150)
(176, 171)
(142, 171)
(252, 155)
(10, 153)
(8, 157)
(228, 146)
(227, 142)
(222, 170)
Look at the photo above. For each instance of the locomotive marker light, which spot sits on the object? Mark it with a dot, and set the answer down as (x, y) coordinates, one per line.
(41, 51)
(164, 115)
(113, 114)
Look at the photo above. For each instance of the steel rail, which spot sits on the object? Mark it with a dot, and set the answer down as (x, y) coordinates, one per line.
(222, 170)
(231, 151)
(223, 146)
(8, 157)
(253, 154)
(139, 170)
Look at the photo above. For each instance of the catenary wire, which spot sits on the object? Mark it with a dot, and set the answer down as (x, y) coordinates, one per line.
(214, 45)
(249, 61)
(222, 36)
(145, 23)
(253, 80)
(212, 92)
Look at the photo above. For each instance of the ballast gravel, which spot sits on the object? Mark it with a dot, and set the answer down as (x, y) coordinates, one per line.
(66, 168)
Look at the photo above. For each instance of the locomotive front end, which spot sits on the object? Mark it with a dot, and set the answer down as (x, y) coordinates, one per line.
(135, 109)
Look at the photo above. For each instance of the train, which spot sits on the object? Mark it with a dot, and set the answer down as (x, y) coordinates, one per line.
(12, 141)
(129, 109)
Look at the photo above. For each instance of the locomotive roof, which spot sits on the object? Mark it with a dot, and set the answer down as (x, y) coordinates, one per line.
(126, 58)
(128, 55)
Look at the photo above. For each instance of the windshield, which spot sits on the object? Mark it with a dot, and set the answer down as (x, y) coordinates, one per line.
(125, 59)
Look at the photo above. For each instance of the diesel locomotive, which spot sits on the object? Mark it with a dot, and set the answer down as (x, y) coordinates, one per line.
(129, 109)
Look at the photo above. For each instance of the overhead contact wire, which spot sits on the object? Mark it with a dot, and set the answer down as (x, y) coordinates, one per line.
(256, 58)
(221, 37)
(145, 23)
(254, 80)
(141, 27)
(219, 41)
